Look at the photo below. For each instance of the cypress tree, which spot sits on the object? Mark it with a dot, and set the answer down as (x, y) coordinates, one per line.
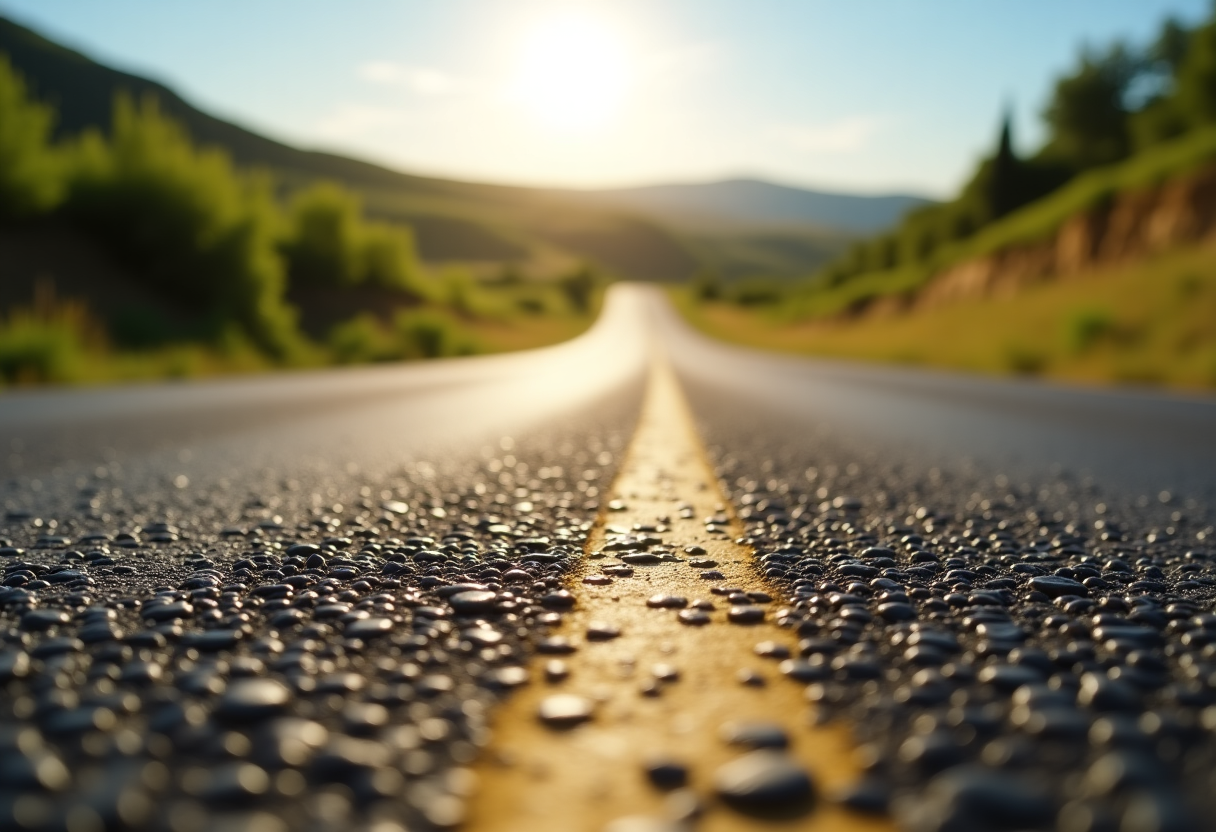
(1005, 184)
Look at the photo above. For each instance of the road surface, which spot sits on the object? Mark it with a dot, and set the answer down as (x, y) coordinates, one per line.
(305, 601)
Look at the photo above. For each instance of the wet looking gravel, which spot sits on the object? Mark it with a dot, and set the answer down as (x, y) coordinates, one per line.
(316, 656)
(669, 708)
(297, 618)
(1010, 651)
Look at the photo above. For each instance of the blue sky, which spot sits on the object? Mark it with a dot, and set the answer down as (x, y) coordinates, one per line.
(863, 95)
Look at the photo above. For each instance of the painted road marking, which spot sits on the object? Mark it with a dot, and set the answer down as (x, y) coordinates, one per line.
(534, 778)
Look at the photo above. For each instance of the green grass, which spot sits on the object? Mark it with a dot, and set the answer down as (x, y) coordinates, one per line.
(1153, 322)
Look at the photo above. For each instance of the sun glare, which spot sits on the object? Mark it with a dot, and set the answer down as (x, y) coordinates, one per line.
(572, 74)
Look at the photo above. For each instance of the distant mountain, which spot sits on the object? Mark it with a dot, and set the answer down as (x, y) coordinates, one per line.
(755, 202)
(664, 232)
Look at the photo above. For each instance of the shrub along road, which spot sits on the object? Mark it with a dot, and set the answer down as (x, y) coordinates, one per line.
(303, 601)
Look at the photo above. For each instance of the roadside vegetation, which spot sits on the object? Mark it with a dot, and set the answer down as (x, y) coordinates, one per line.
(1122, 117)
(236, 272)
(1152, 322)
(1123, 121)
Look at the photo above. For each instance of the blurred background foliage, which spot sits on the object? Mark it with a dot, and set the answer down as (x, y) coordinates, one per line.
(1113, 104)
(167, 255)
(231, 269)
(1122, 124)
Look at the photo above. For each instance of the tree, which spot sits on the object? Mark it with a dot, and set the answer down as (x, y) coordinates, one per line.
(1168, 52)
(1159, 115)
(1195, 91)
(1004, 186)
(1087, 118)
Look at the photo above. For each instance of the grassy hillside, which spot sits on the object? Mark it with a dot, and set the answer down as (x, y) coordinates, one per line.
(138, 253)
(736, 255)
(1147, 319)
(1120, 121)
(1034, 223)
(1151, 322)
(1083, 260)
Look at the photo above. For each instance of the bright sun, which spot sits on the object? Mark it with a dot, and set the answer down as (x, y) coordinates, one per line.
(572, 74)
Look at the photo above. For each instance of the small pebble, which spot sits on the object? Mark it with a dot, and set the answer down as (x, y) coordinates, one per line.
(565, 710)
(765, 784)
(694, 618)
(745, 614)
(666, 773)
(755, 734)
(602, 631)
(663, 601)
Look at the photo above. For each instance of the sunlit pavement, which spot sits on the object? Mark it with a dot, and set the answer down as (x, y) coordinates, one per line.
(304, 601)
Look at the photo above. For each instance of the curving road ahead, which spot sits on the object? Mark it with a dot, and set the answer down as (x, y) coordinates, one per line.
(248, 601)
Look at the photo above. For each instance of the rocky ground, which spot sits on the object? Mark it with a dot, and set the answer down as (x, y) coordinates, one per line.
(226, 608)
(1010, 653)
(319, 654)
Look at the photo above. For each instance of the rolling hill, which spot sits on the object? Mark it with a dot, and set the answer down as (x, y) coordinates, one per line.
(664, 232)
(755, 202)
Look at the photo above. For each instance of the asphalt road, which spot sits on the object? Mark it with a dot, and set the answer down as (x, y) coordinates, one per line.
(165, 645)
(360, 416)
(1131, 444)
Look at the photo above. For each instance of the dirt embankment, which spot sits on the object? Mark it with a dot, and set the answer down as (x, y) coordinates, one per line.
(1129, 227)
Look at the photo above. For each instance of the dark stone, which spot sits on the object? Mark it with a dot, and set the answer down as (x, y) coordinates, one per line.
(765, 783)
(1055, 586)
(755, 735)
(745, 614)
(666, 773)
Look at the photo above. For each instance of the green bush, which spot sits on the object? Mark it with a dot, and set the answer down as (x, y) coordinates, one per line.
(214, 240)
(418, 333)
(323, 244)
(359, 340)
(41, 346)
(426, 333)
(1087, 327)
(330, 244)
(388, 258)
(459, 292)
(31, 181)
(188, 224)
(137, 326)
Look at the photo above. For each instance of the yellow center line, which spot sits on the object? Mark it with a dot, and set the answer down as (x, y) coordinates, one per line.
(535, 778)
